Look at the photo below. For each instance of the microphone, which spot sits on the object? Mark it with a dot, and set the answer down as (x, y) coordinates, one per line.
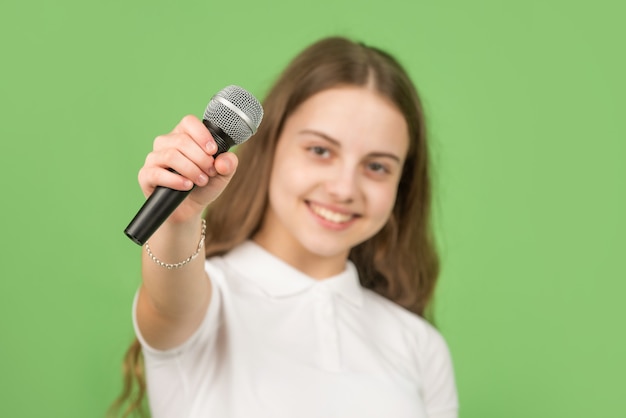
(232, 116)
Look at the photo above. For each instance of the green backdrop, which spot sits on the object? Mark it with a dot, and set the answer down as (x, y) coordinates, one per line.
(525, 102)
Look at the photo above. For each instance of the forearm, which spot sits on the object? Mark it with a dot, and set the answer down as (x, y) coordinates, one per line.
(175, 292)
(172, 302)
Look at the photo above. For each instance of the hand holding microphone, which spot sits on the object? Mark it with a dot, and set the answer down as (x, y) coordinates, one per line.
(188, 156)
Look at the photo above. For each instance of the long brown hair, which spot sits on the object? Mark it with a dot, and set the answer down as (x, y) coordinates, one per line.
(400, 262)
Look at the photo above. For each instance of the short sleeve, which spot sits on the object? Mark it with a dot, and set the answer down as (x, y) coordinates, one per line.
(439, 391)
(174, 376)
(206, 331)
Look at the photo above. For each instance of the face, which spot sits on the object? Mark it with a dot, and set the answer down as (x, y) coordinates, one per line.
(334, 180)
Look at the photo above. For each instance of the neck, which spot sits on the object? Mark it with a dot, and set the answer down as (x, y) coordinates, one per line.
(313, 265)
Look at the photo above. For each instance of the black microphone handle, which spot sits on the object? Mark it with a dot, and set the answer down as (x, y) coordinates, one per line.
(163, 201)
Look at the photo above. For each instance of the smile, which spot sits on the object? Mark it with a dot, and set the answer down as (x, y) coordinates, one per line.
(330, 215)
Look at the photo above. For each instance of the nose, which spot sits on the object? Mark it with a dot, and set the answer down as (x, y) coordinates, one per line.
(342, 184)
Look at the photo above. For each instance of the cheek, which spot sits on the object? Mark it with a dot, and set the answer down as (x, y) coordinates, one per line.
(383, 201)
(287, 178)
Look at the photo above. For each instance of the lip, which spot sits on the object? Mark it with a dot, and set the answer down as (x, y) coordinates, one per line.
(331, 217)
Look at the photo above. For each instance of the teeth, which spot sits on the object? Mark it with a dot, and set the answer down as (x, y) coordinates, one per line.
(331, 216)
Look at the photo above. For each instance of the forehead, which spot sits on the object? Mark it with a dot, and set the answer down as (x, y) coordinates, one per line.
(354, 116)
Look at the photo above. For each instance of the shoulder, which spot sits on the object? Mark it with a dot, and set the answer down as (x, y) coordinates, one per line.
(237, 261)
(386, 310)
(421, 340)
(424, 344)
(216, 267)
(427, 348)
(228, 271)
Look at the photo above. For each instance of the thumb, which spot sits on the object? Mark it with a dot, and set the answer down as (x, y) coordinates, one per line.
(226, 164)
(222, 171)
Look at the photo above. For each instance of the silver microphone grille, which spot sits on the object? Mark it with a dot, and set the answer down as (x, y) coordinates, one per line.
(237, 112)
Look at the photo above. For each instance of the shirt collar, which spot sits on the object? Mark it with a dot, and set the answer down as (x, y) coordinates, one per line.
(279, 279)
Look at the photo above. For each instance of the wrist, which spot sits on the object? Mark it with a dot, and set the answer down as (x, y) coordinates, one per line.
(187, 260)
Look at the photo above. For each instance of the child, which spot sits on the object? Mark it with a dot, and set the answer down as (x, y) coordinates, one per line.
(319, 257)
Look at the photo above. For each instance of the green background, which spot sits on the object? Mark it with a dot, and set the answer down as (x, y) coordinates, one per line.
(525, 102)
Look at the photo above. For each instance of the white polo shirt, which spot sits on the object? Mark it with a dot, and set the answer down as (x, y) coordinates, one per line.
(277, 343)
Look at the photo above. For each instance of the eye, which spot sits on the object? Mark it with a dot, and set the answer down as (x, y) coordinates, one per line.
(319, 151)
(377, 168)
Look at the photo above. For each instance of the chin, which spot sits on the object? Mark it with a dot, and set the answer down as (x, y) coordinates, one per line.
(327, 248)
(326, 252)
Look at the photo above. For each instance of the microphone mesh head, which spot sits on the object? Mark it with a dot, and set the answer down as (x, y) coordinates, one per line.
(237, 112)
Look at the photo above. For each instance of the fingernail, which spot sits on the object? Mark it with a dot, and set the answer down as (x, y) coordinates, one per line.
(211, 147)
(202, 179)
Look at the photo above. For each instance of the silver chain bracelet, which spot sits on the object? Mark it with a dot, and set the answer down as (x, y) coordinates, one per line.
(185, 261)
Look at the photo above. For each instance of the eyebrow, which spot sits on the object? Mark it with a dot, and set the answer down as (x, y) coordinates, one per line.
(338, 144)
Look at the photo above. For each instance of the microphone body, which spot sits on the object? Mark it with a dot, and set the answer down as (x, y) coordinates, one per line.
(224, 110)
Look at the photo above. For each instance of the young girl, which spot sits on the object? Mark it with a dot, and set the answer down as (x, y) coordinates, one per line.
(319, 257)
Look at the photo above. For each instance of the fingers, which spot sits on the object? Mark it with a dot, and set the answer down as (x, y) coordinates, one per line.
(150, 177)
(186, 151)
(195, 129)
(181, 154)
(184, 158)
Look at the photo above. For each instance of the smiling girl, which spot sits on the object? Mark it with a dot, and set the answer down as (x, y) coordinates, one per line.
(319, 257)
